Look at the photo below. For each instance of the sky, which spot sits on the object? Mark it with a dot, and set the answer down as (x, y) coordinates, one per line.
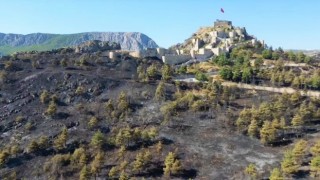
(290, 24)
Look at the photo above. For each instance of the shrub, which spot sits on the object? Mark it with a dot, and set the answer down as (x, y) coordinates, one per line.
(44, 97)
(201, 76)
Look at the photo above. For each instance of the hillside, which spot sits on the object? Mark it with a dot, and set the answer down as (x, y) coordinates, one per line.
(10, 43)
(96, 112)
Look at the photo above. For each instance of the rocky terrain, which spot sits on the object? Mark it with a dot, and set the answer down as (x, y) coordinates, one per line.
(10, 43)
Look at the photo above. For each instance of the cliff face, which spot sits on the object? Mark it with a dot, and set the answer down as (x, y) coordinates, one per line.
(10, 43)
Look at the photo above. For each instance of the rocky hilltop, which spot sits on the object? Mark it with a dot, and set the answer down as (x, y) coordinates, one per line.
(10, 43)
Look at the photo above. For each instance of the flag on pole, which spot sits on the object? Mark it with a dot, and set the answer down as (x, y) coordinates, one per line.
(222, 10)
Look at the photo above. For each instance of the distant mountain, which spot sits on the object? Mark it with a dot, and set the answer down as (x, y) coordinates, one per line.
(307, 52)
(10, 43)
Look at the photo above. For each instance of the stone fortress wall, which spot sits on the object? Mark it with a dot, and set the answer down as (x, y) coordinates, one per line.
(220, 41)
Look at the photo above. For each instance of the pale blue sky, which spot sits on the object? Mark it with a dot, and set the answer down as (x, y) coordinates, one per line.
(291, 24)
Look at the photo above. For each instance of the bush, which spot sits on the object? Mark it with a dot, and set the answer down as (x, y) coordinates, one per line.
(201, 76)
(80, 90)
(44, 97)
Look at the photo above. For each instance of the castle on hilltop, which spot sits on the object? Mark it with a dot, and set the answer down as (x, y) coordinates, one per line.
(222, 23)
(211, 41)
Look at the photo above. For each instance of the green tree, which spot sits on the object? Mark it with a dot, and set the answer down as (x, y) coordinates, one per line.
(275, 55)
(291, 56)
(297, 120)
(98, 140)
(60, 142)
(299, 150)
(160, 92)
(4, 155)
(301, 57)
(246, 75)
(267, 54)
(166, 72)
(253, 128)
(93, 122)
(33, 146)
(201, 76)
(251, 170)
(267, 133)
(315, 166)
(315, 149)
(43, 142)
(122, 151)
(152, 71)
(276, 174)
(289, 164)
(172, 165)
(159, 147)
(83, 159)
(44, 97)
(123, 166)
(113, 172)
(138, 164)
(226, 73)
(52, 109)
(123, 104)
(97, 163)
(123, 176)
(77, 154)
(84, 173)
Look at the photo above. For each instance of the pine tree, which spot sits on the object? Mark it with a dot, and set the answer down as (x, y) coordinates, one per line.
(251, 170)
(123, 166)
(315, 166)
(147, 157)
(83, 159)
(123, 176)
(93, 122)
(297, 120)
(152, 71)
(168, 163)
(299, 150)
(152, 133)
(97, 163)
(113, 172)
(315, 149)
(267, 133)
(84, 173)
(283, 123)
(75, 158)
(98, 140)
(276, 175)
(159, 148)
(288, 164)
(176, 167)
(52, 109)
(44, 97)
(3, 157)
(253, 128)
(276, 124)
(43, 142)
(121, 151)
(138, 164)
(160, 92)
(33, 146)
(60, 142)
(14, 150)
